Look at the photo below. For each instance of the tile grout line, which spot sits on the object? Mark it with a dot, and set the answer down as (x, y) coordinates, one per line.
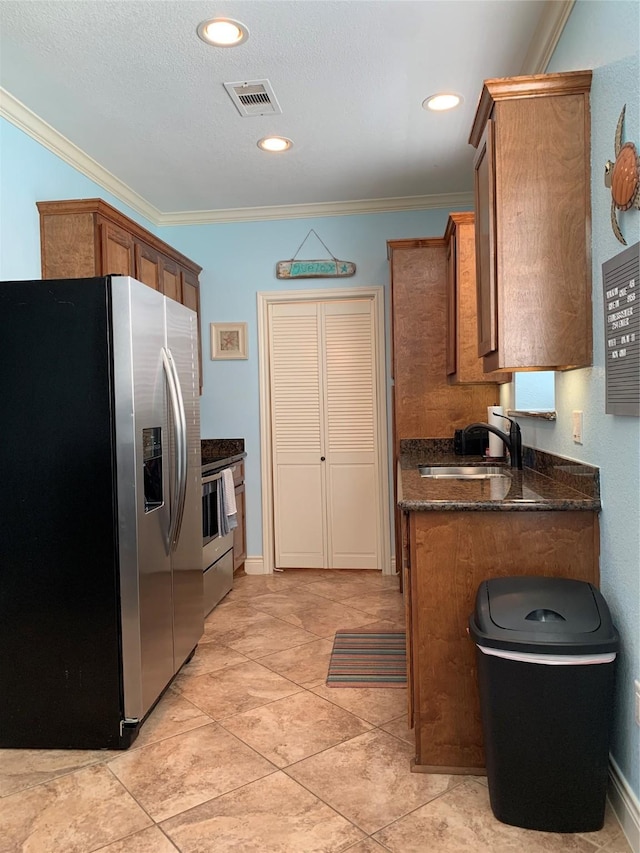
(109, 757)
(375, 727)
(136, 801)
(333, 808)
(211, 799)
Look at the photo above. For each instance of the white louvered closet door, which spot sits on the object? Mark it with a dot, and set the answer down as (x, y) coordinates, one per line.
(352, 500)
(324, 434)
(296, 416)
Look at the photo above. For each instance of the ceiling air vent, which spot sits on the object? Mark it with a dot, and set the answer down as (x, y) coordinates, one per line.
(253, 98)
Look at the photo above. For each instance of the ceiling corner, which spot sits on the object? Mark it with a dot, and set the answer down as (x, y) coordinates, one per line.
(547, 35)
(21, 116)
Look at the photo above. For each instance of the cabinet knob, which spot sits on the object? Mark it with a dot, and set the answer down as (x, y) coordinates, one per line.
(322, 458)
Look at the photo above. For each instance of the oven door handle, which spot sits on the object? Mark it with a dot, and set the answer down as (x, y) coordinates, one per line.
(217, 476)
(181, 456)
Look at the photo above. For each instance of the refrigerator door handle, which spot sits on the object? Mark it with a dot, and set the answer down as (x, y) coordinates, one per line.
(180, 461)
(183, 453)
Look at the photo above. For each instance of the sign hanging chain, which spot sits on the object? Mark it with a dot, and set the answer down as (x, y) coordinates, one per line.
(313, 231)
(327, 268)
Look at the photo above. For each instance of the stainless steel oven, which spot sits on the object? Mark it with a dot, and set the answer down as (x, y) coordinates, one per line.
(217, 550)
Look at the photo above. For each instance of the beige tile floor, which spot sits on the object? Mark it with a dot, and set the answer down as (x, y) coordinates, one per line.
(250, 752)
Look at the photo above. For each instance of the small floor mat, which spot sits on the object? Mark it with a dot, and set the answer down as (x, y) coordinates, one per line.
(368, 659)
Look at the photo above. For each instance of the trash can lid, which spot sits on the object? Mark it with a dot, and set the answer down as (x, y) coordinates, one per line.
(542, 614)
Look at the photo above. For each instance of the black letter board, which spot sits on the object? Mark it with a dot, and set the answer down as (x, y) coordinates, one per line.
(621, 285)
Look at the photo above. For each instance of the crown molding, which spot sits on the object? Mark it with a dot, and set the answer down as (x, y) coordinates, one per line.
(22, 117)
(305, 211)
(547, 35)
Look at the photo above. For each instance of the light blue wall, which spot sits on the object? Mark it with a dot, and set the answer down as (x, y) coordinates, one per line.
(605, 36)
(238, 261)
(535, 391)
(30, 173)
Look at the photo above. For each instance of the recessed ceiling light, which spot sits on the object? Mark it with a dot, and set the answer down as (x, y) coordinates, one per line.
(275, 143)
(223, 32)
(441, 102)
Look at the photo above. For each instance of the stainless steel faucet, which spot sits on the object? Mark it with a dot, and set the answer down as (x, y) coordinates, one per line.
(512, 440)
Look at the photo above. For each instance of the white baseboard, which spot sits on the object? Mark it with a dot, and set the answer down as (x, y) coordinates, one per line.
(255, 566)
(625, 804)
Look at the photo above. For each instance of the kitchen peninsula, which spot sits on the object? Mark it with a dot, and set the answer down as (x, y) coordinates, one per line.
(542, 520)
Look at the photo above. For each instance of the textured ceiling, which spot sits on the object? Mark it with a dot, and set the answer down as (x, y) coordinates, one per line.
(133, 87)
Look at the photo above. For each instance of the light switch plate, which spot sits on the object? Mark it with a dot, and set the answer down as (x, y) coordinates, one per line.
(576, 421)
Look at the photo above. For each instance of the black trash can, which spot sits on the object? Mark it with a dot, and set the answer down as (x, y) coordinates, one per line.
(546, 652)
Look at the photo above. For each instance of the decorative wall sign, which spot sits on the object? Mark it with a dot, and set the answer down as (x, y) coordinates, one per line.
(228, 340)
(623, 177)
(621, 285)
(315, 269)
(328, 268)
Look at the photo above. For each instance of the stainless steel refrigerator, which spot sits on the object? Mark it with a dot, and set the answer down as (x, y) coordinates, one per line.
(100, 508)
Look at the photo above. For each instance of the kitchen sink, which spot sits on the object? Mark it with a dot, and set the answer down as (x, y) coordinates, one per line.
(463, 472)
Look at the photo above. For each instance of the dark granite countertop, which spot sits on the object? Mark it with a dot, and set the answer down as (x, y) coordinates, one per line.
(547, 482)
(221, 452)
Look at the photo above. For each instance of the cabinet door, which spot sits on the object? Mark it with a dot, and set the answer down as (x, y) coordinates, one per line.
(397, 511)
(117, 251)
(239, 532)
(238, 474)
(147, 266)
(452, 309)
(170, 279)
(157, 271)
(392, 322)
(68, 244)
(464, 366)
(405, 571)
(190, 288)
(190, 296)
(485, 243)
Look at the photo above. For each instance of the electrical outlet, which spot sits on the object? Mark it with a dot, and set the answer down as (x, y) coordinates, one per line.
(637, 686)
(576, 422)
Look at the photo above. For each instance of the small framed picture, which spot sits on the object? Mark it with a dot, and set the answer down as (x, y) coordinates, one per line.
(228, 340)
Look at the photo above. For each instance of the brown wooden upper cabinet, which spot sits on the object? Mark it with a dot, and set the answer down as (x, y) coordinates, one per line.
(88, 237)
(158, 271)
(464, 366)
(533, 222)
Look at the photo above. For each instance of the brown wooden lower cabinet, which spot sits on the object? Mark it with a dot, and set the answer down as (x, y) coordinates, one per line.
(405, 589)
(239, 532)
(451, 553)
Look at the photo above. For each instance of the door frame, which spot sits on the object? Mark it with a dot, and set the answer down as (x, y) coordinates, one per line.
(374, 294)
